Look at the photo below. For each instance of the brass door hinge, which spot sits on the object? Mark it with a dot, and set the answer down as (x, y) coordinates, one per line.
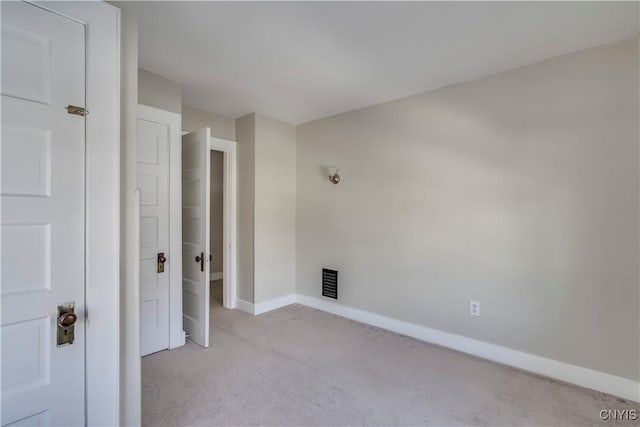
(78, 111)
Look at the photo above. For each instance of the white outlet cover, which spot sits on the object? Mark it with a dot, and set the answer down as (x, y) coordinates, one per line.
(474, 308)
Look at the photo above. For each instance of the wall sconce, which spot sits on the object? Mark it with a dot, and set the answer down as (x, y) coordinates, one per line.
(334, 178)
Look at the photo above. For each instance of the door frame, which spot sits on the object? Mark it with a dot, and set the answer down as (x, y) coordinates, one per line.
(174, 122)
(102, 205)
(229, 223)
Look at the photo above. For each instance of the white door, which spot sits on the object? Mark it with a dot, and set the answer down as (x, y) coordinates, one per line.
(153, 182)
(195, 235)
(43, 216)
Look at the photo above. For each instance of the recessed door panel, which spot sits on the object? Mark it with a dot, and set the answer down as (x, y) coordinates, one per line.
(26, 162)
(26, 255)
(28, 74)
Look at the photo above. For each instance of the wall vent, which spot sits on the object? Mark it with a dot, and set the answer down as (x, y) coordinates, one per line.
(330, 283)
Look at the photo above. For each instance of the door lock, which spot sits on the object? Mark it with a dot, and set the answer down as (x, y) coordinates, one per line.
(66, 324)
(161, 260)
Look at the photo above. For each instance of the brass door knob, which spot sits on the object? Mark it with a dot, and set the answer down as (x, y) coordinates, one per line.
(67, 319)
(161, 260)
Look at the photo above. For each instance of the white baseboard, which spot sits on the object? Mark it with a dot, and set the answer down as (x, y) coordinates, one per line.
(245, 306)
(274, 304)
(215, 276)
(264, 307)
(584, 377)
(573, 374)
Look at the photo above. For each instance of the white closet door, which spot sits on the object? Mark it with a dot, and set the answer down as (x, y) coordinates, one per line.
(43, 217)
(153, 182)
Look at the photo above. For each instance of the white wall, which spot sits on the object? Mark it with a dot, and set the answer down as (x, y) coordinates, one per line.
(520, 191)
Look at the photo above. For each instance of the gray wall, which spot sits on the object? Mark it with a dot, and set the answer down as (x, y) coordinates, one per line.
(217, 212)
(266, 208)
(221, 127)
(519, 191)
(245, 134)
(159, 92)
(275, 208)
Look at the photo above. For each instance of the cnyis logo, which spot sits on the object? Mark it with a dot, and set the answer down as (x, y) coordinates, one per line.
(619, 415)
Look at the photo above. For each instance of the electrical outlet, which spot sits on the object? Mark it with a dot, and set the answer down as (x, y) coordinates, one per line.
(474, 308)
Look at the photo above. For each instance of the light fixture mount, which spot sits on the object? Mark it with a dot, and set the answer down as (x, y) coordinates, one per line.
(334, 178)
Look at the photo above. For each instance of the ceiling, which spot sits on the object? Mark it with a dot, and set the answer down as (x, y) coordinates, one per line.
(300, 61)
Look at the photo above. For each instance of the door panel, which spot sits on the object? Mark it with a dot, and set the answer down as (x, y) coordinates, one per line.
(195, 235)
(153, 181)
(43, 215)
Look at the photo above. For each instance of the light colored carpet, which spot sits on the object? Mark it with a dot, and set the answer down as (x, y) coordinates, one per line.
(298, 366)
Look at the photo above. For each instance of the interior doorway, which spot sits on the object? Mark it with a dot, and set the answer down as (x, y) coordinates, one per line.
(222, 221)
(216, 228)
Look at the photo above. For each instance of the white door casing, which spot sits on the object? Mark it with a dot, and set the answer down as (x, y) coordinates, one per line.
(43, 215)
(195, 235)
(153, 182)
(229, 231)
